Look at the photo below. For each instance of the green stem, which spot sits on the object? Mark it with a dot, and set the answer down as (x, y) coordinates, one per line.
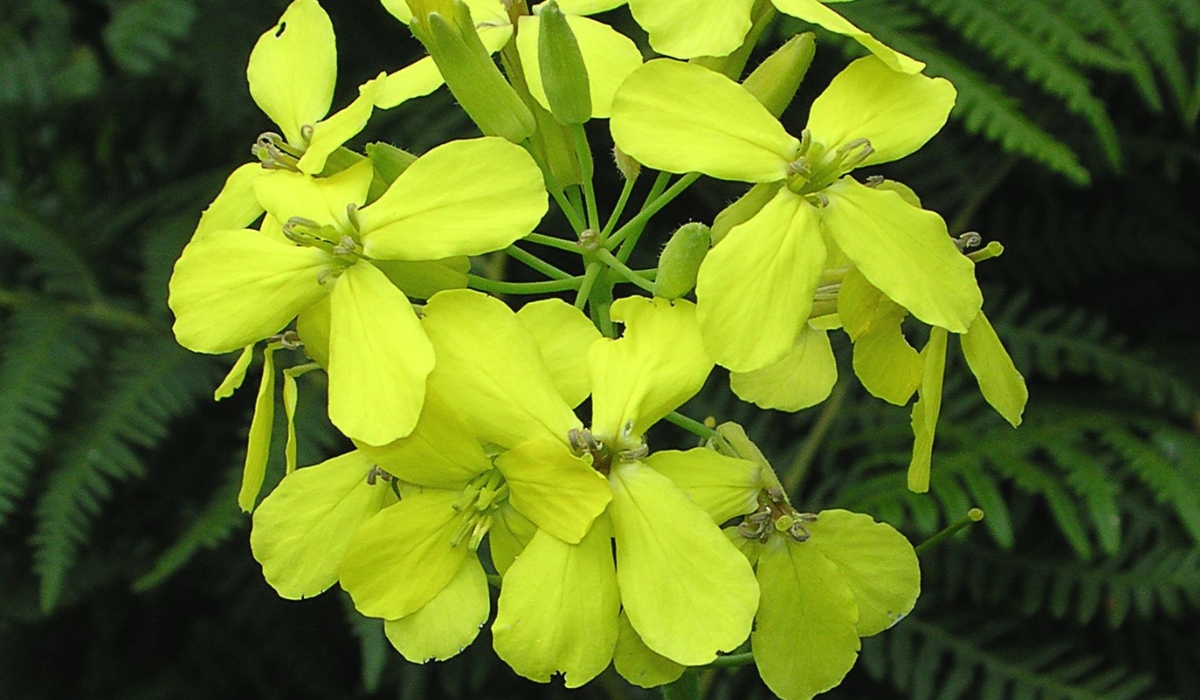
(660, 183)
(551, 242)
(633, 229)
(537, 263)
(589, 280)
(623, 270)
(691, 425)
(498, 287)
(587, 171)
(619, 209)
(687, 687)
(569, 210)
(973, 516)
(733, 660)
(808, 450)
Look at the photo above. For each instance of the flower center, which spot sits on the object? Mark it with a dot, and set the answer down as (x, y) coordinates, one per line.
(276, 153)
(775, 515)
(605, 452)
(480, 499)
(816, 167)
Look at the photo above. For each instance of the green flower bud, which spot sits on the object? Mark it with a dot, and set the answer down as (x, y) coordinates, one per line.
(448, 33)
(743, 209)
(680, 261)
(775, 81)
(564, 76)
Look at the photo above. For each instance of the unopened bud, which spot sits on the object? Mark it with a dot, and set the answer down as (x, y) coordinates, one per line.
(680, 261)
(744, 209)
(775, 82)
(564, 77)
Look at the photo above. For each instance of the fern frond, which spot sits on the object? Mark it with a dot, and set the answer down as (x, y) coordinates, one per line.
(154, 381)
(1153, 26)
(56, 266)
(43, 350)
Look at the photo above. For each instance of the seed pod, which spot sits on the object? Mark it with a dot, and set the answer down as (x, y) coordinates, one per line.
(680, 261)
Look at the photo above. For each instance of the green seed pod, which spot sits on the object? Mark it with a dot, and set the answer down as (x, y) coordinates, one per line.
(564, 76)
(680, 261)
(775, 81)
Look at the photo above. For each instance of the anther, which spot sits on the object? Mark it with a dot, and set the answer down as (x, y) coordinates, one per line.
(346, 246)
(306, 133)
(970, 239)
(352, 215)
(874, 180)
(377, 473)
(289, 340)
(854, 153)
(634, 454)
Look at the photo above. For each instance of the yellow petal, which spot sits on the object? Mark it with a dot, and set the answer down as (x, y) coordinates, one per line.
(925, 411)
(723, 486)
(258, 444)
(816, 13)
(448, 623)
(558, 608)
(638, 663)
(287, 194)
(379, 358)
(232, 288)
(302, 529)
(563, 335)
(510, 534)
(588, 7)
(888, 367)
(558, 491)
(680, 117)
(293, 68)
(802, 378)
(688, 592)
(312, 325)
(402, 556)
(414, 80)
(290, 398)
(502, 388)
(755, 289)
(657, 365)
(439, 453)
(237, 374)
(329, 134)
(608, 56)
(1002, 385)
(694, 28)
(462, 198)
(235, 207)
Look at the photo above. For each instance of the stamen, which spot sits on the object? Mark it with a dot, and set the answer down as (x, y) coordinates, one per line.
(377, 473)
(306, 133)
(854, 153)
(275, 153)
(347, 246)
(970, 239)
(874, 181)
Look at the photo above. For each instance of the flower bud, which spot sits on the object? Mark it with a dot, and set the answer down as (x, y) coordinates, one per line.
(680, 261)
(564, 76)
(448, 33)
(743, 209)
(775, 81)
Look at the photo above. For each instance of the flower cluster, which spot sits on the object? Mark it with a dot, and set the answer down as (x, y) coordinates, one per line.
(509, 445)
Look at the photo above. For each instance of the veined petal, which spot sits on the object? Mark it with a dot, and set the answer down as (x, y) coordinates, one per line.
(312, 325)
(588, 7)
(237, 374)
(724, 487)
(802, 378)
(563, 334)
(558, 491)
(258, 443)
(558, 608)
(802, 590)
(287, 194)
(293, 68)
(755, 289)
(448, 623)
(379, 358)
(439, 453)
(236, 206)
(402, 556)
(888, 367)
(657, 365)
(896, 112)
(680, 117)
(999, 381)
(814, 12)
(925, 411)
(857, 303)
(329, 134)
(302, 528)
(688, 592)
(232, 288)
(503, 389)
(638, 663)
(511, 532)
(608, 55)
(695, 28)
(876, 562)
(461, 198)
(904, 251)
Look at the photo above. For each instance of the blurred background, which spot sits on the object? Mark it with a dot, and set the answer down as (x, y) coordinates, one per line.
(124, 565)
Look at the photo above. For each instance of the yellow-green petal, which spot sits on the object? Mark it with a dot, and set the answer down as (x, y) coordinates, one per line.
(608, 56)
(925, 411)
(999, 381)
(638, 663)
(237, 374)
(401, 557)
(857, 303)
(462, 198)
(302, 529)
(379, 358)
(439, 453)
(563, 335)
(558, 608)
(414, 80)
(816, 13)
(876, 562)
(804, 639)
(802, 378)
(687, 590)
(422, 279)
(510, 534)
(694, 28)
(904, 251)
(236, 205)
(258, 444)
(657, 364)
(328, 135)
(888, 367)
(896, 112)
(588, 7)
(448, 623)
(232, 288)
(680, 117)
(293, 68)
(291, 395)
(723, 486)
(312, 325)
(286, 194)
(505, 391)
(555, 489)
(755, 289)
